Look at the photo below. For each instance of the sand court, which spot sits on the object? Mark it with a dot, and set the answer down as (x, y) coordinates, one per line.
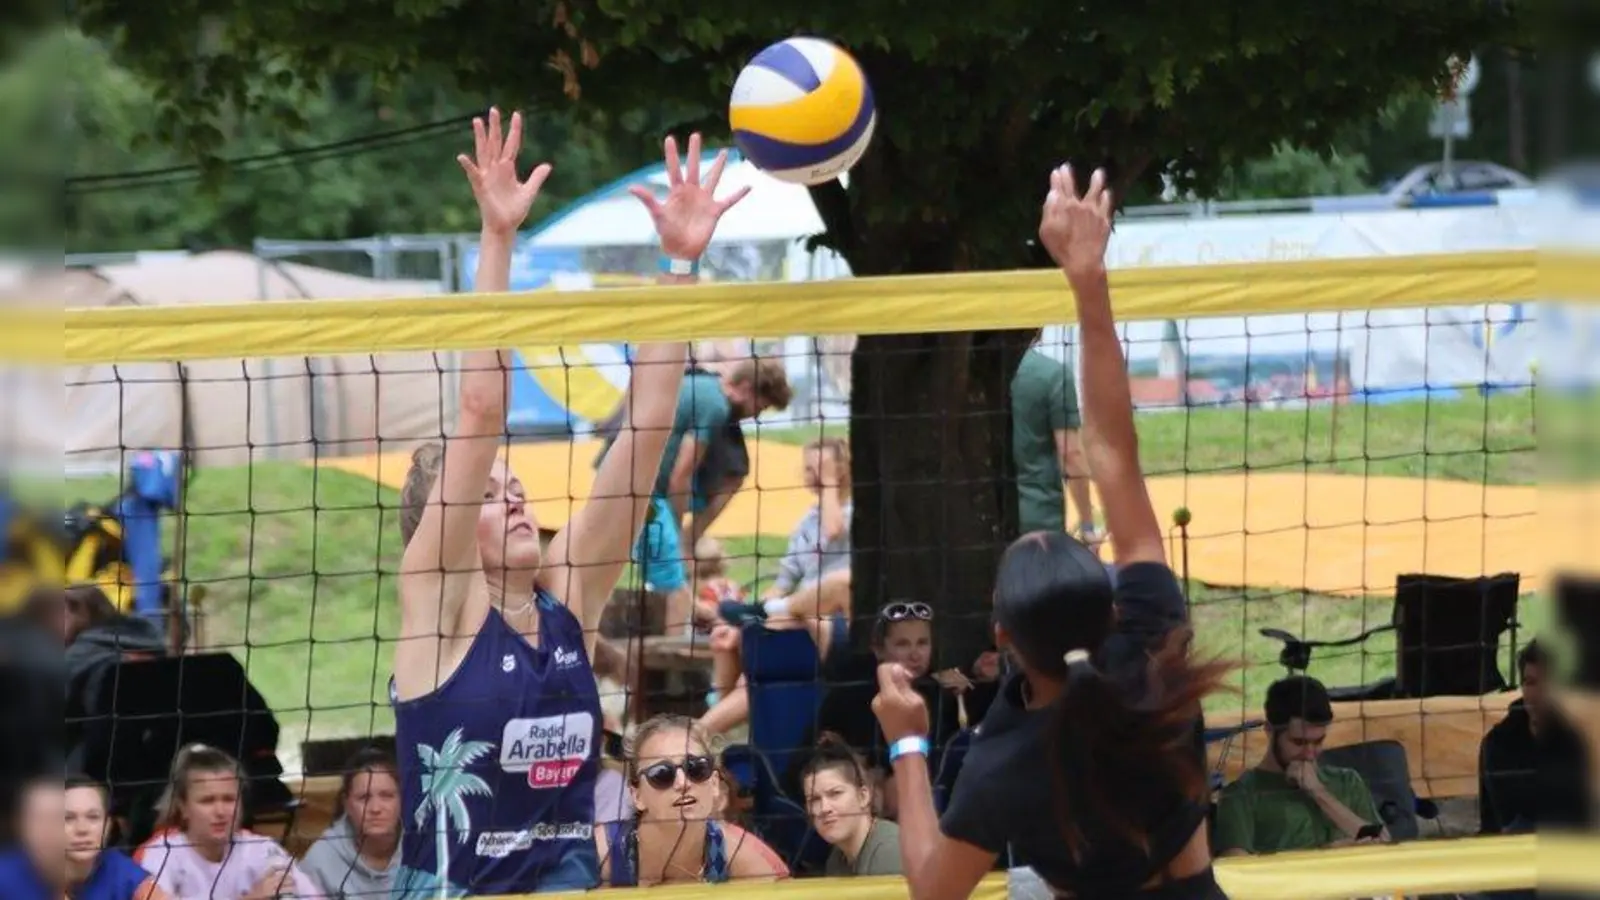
(1338, 534)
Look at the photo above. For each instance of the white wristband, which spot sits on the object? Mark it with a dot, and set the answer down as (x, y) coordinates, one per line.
(907, 746)
(681, 267)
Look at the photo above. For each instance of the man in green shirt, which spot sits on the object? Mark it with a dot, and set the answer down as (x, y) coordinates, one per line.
(1290, 801)
(1046, 449)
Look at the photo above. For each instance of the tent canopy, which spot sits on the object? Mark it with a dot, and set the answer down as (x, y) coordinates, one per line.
(231, 411)
(611, 217)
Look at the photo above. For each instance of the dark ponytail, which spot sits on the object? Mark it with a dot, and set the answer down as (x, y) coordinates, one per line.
(1126, 747)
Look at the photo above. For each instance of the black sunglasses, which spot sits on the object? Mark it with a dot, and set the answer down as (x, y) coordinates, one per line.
(900, 612)
(662, 775)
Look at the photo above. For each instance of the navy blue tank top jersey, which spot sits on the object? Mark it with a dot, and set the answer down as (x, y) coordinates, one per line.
(498, 767)
(623, 839)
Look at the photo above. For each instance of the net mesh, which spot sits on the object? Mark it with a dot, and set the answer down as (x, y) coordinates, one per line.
(1313, 468)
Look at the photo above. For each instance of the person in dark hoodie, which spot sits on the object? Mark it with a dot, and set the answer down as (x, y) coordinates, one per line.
(30, 695)
(1533, 766)
(97, 635)
(356, 858)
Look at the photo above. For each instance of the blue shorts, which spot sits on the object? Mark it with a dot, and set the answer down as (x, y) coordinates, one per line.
(658, 552)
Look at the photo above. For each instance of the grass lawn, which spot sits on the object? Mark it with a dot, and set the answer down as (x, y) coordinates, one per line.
(298, 565)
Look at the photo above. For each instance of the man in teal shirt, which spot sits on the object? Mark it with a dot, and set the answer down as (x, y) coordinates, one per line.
(707, 403)
(1046, 449)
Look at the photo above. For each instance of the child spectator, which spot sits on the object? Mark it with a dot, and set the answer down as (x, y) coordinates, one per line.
(713, 587)
(199, 850)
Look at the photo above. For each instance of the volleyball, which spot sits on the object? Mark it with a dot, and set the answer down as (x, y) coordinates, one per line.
(802, 111)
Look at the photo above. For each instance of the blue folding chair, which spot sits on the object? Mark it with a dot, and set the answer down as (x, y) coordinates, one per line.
(782, 673)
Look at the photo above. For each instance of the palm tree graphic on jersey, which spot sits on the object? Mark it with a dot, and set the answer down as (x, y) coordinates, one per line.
(446, 785)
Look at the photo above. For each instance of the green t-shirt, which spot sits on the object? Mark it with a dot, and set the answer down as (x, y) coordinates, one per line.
(1044, 400)
(703, 411)
(880, 854)
(1263, 812)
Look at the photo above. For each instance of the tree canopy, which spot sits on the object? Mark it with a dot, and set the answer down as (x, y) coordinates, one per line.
(385, 168)
(975, 104)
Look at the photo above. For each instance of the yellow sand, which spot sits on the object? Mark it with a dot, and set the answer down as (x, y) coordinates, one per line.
(1328, 533)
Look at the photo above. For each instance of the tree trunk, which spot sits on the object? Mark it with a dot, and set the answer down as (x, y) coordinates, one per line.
(1516, 117)
(935, 497)
(933, 482)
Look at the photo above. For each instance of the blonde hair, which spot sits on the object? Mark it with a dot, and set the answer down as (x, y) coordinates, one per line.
(191, 760)
(771, 381)
(709, 560)
(839, 448)
(662, 723)
(426, 461)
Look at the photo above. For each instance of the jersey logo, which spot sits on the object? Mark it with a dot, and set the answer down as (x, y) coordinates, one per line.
(550, 749)
(508, 663)
(566, 659)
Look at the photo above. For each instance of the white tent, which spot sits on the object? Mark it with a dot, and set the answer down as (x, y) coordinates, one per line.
(234, 411)
(611, 217)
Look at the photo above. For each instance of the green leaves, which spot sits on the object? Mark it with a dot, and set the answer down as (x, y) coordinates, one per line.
(1179, 85)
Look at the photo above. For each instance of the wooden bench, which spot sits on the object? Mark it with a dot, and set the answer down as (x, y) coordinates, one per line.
(676, 653)
(1441, 736)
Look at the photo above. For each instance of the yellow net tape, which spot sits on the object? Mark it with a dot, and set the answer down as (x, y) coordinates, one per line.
(902, 305)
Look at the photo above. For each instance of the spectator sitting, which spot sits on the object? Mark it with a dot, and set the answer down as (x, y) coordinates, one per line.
(199, 850)
(356, 857)
(902, 633)
(75, 862)
(677, 835)
(1289, 801)
(840, 803)
(1533, 767)
(97, 633)
(812, 591)
(713, 587)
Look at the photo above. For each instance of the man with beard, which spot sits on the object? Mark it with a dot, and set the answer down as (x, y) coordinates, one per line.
(1290, 800)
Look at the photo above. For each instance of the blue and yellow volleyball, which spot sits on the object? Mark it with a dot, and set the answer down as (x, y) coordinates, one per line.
(802, 111)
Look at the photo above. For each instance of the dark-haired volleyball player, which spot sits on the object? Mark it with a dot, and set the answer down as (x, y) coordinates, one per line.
(497, 714)
(1087, 765)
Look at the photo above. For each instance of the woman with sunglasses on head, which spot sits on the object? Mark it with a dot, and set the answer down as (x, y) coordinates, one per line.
(902, 633)
(677, 837)
(1088, 767)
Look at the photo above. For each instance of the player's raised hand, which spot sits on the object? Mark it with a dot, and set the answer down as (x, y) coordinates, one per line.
(900, 709)
(687, 217)
(1075, 230)
(503, 199)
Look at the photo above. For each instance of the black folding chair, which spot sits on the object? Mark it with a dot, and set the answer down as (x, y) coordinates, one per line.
(1448, 631)
(1384, 767)
(129, 726)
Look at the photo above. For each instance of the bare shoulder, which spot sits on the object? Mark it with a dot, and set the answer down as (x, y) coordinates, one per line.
(431, 645)
(749, 856)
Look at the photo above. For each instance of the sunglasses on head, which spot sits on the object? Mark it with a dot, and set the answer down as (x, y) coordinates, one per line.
(900, 612)
(662, 775)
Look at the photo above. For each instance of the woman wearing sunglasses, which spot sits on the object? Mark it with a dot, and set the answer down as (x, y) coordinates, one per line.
(1088, 767)
(677, 836)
